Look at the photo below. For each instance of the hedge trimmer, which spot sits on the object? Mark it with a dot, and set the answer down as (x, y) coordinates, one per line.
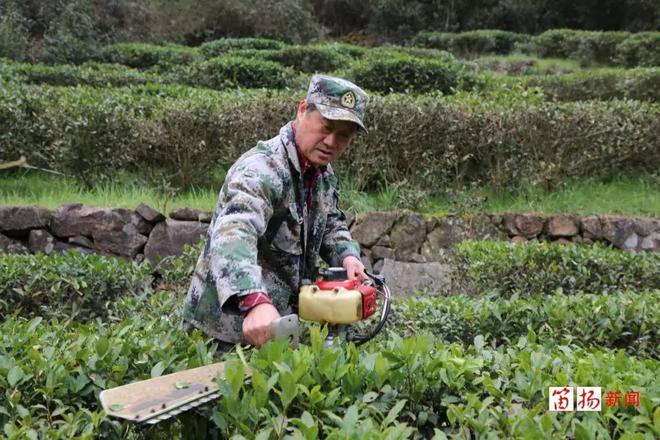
(332, 299)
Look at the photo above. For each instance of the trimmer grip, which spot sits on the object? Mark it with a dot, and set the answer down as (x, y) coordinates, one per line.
(286, 327)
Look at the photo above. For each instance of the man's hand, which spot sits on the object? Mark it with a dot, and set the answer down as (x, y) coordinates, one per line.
(354, 267)
(256, 325)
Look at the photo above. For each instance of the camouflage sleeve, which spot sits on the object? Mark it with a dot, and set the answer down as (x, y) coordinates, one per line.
(337, 242)
(245, 206)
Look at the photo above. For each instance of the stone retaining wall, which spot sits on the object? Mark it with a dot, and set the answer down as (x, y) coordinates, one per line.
(397, 236)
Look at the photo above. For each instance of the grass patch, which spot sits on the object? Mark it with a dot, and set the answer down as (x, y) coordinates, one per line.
(623, 195)
(52, 191)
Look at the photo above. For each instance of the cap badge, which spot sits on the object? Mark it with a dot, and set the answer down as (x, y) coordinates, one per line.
(348, 99)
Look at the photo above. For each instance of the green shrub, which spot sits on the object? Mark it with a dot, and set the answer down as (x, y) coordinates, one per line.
(588, 47)
(641, 49)
(69, 285)
(227, 72)
(623, 320)
(452, 141)
(351, 50)
(600, 47)
(92, 74)
(556, 43)
(143, 56)
(533, 269)
(403, 73)
(472, 42)
(434, 40)
(285, 20)
(14, 35)
(71, 37)
(641, 84)
(65, 364)
(310, 59)
(425, 387)
(220, 47)
(390, 387)
(585, 46)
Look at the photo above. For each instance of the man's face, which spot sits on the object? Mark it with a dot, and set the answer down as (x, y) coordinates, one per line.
(321, 140)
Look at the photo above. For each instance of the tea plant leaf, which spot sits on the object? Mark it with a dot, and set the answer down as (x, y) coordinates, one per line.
(394, 412)
(157, 370)
(15, 375)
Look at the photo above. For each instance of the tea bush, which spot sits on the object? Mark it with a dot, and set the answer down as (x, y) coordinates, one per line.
(430, 387)
(404, 73)
(639, 84)
(504, 141)
(619, 320)
(69, 285)
(228, 71)
(639, 50)
(310, 58)
(143, 55)
(510, 352)
(599, 47)
(52, 372)
(91, 74)
(531, 269)
(588, 47)
(471, 42)
(212, 49)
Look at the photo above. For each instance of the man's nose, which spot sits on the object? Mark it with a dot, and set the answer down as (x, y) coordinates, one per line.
(331, 140)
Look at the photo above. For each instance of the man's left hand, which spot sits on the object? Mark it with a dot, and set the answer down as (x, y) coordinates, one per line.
(354, 267)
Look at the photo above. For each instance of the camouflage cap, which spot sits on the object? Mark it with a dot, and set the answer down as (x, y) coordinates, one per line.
(338, 99)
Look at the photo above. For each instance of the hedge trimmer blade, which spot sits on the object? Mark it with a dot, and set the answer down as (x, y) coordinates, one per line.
(153, 400)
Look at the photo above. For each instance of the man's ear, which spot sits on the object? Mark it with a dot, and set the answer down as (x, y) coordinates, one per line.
(302, 106)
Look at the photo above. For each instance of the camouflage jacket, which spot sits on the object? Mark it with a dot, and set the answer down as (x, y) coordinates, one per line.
(262, 237)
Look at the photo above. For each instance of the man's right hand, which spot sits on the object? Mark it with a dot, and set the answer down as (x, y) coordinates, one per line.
(256, 325)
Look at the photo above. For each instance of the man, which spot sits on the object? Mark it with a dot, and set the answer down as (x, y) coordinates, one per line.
(277, 212)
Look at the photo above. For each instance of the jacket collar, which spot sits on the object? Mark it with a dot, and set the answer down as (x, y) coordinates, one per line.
(289, 142)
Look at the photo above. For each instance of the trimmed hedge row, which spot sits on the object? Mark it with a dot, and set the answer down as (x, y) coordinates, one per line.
(589, 47)
(531, 269)
(642, 84)
(619, 48)
(51, 372)
(424, 140)
(310, 59)
(391, 71)
(396, 387)
(627, 320)
(144, 56)
(471, 42)
(640, 50)
(69, 285)
(59, 285)
(231, 71)
(91, 74)
(223, 46)
(586, 46)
